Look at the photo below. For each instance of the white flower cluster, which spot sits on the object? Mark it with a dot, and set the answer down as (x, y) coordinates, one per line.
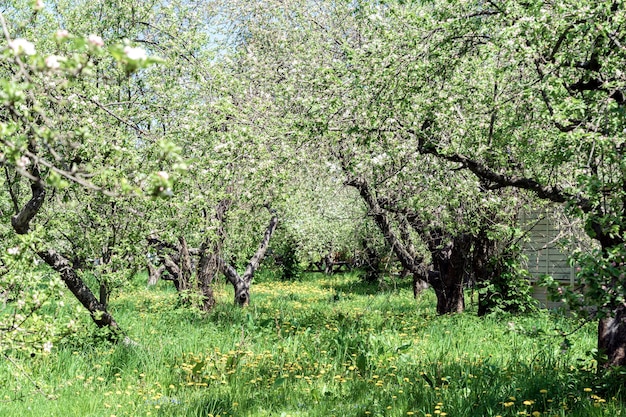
(21, 46)
(95, 40)
(135, 54)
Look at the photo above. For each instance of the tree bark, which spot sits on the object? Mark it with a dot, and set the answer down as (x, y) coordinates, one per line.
(154, 273)
(612, 338)
(83, 294)
(420, 280)
(209, 264)
(184, 266)
(242, 283)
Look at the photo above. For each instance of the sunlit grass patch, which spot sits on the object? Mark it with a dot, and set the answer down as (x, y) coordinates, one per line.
(322, 346)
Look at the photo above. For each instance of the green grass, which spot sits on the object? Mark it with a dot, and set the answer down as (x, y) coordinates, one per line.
(322, 346)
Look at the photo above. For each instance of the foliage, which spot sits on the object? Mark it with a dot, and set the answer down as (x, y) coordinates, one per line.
(509, 289)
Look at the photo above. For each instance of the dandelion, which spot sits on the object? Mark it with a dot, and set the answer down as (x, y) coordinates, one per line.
(508, 404)
(528, 402)
(21, 46)
(543, 391)
(587, 389)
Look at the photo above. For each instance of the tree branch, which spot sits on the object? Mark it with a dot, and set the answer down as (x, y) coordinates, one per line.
(260, 253)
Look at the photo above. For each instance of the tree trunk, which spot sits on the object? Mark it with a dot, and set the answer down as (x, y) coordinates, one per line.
(420, 280)
(154, 273)
(449, 264)
(448, 258)
(98, 311)
(612, 338)
(184, 265)
(449, 292)
(242, 283)
(208, 266)
(104, 293)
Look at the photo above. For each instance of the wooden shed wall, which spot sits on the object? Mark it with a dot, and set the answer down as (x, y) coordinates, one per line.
(546, 255)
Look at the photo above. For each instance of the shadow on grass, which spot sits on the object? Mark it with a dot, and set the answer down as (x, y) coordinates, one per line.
(358, 286)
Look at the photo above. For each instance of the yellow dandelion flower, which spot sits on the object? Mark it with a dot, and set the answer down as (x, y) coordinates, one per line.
(528, 402)
(587, 389)
(536, 413)
(508, 404)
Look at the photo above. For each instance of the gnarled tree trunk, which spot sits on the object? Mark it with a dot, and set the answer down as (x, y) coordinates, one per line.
(612, 338)
(241, 283)
(449, 265)
(63, 266)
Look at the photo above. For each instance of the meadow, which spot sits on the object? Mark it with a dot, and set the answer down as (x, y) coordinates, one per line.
(322, 346)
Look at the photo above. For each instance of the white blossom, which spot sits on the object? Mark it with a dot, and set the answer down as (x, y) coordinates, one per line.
(53, 62)
(95, 40)
(163, 175)
(62, 34)
(21, 46)
(47, 347)
(23, 162)
(135, 54)
(13, 251)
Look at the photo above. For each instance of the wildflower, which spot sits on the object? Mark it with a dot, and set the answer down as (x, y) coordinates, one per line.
(587, 389)
(95, 40)
(39, 5)
(135, 54)
(508, 404)
(543, 391)
(13, 251)
(536, 413)
(528, 402)
(47, 347)
(21, 46)
(163, 175)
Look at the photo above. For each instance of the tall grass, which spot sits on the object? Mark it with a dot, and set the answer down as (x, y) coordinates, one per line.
(322, 346)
